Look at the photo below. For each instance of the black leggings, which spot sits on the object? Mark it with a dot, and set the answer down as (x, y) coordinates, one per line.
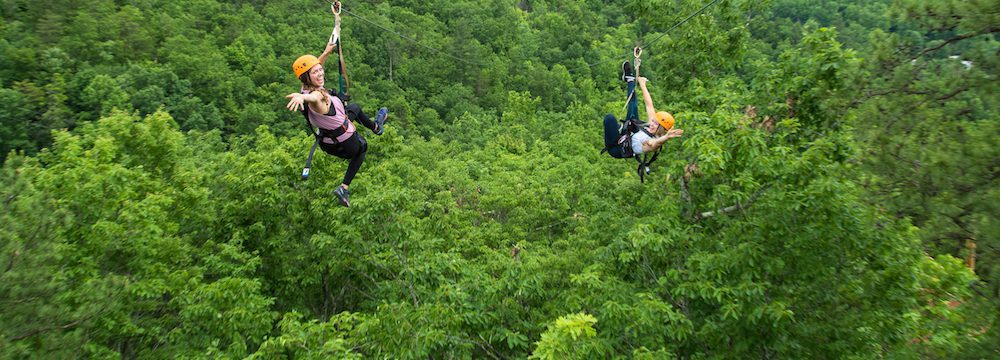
(611, 124)
(355, 147)
(611, 137)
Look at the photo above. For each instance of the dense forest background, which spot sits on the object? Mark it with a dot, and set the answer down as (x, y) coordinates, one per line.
(834, 194)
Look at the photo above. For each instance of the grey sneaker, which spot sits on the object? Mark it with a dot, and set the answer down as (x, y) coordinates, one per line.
(343, 195)
(380, 118)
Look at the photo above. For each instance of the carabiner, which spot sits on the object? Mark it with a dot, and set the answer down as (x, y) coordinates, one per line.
(336, 7)
(637, 52)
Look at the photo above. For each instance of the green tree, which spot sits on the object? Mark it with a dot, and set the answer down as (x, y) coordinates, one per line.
(107, 251)
(485, 223)
(14, 120)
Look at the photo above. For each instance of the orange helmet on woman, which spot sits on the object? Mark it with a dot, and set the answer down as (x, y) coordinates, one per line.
(303, 64)
(665, 119)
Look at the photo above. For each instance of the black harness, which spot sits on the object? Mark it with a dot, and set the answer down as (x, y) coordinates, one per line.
(331, 134)
(627, 129)
(321, 133)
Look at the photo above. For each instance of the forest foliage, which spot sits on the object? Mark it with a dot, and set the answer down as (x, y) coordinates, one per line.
(834, 194)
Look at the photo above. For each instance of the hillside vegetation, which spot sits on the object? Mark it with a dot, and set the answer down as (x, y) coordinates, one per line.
(834, 194)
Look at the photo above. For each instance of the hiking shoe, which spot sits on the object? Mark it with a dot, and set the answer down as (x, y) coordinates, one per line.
(627, 74)
(343, 195)
(383, 114)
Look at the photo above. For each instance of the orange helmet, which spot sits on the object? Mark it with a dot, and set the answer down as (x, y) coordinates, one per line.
(303, 64)
(665, 119)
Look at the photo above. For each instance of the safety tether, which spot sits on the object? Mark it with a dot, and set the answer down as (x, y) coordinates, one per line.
(344, 81)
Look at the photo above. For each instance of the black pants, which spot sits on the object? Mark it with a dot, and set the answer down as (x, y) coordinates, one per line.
(354, 148)
(611, 125)
(611, 137)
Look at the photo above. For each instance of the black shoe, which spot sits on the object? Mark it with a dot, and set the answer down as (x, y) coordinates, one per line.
(627, 74)
(343, 195)
(383, 114)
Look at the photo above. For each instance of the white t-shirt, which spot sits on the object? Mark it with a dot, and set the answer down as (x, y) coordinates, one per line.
(637, 139)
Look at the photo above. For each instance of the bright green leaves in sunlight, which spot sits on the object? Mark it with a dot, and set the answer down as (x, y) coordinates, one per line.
(568, 338)
(112, 231)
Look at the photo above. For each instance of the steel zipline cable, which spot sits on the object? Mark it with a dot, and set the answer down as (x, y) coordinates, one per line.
(651, 43)
(654, 40)
(681, 23)
(383, 28)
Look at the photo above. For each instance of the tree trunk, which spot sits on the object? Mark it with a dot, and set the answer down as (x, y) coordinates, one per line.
(970, 259)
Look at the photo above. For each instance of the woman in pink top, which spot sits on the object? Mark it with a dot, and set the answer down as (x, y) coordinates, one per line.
(331, 116)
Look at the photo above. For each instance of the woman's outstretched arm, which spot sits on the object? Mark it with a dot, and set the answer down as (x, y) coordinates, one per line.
(650, 110)
(655, 143)
(297, 101)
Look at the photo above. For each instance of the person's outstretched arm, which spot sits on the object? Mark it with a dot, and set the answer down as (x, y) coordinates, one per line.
(655, 143)
(650, 110)
(297, 101)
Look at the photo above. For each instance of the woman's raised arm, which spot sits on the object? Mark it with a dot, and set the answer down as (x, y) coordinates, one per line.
(650, 110)
(334, 37)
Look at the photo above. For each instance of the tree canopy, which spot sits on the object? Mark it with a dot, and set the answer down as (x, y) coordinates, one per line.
(834, 194)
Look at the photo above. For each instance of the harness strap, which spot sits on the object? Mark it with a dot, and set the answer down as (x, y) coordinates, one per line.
(309, 160)
(631, 94)
(643, 129)
(332, 134)
(319, 133)
(345, 82)
(637, 51)
(336, 7)
(645, 164)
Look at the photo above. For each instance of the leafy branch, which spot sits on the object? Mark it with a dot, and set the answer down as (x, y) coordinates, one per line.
(733, 208)
(955, 39)
(50, 328)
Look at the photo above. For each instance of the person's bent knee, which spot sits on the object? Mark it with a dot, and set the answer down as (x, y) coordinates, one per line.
(353, 109)
(610, 118)
(364, 144)
(616, 152)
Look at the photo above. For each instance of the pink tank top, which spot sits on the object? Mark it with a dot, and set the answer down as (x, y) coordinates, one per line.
(331, 122)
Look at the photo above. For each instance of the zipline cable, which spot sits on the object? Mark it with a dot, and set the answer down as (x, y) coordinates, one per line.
(654, 40)
(409, 38)
(681, 23)
(484, 64)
